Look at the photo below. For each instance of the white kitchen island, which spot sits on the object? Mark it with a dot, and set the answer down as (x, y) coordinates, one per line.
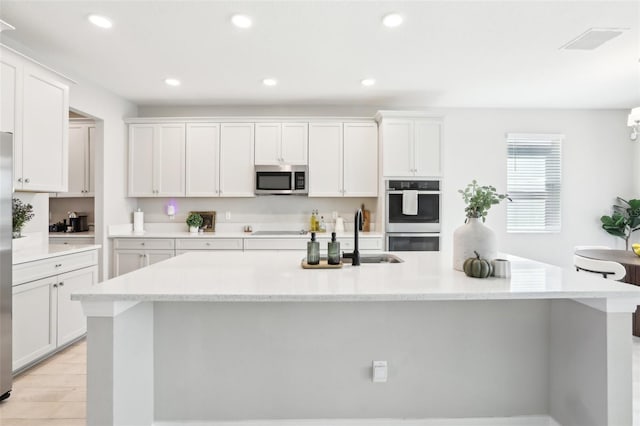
(213, 337)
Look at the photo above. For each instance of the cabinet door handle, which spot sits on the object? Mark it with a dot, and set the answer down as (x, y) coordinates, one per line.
(19, 179)
(55, 286)
(27, 180)
(58, 265)
(61, 284)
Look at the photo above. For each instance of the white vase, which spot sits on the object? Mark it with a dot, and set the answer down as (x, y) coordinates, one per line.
(193, 229)
(470, 237)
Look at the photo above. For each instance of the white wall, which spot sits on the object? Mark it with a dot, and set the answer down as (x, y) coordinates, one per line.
(597, 165)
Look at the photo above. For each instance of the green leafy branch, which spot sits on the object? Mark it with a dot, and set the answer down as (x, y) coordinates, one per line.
(479, 199)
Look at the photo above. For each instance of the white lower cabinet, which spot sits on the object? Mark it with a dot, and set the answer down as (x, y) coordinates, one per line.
(131, 260)
(346, 244)
(130, 254)
(33, 321)
(44, 316)
(188, 244)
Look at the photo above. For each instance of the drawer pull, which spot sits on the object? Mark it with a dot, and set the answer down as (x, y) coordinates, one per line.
(58, 265)
(208, 244)
(141, 244)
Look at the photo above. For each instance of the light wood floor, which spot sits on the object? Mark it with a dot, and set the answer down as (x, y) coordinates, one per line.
(54, 393)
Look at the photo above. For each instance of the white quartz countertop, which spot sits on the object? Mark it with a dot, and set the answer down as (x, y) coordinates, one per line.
(46, 251)
(162, 234)
(226, 276)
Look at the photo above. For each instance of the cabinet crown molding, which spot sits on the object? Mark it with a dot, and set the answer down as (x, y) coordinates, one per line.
(244, 119)
(68, 80)
(407, 114)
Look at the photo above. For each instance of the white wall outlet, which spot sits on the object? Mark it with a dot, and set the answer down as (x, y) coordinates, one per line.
(334, 215)
(379, 371)
(227, 215)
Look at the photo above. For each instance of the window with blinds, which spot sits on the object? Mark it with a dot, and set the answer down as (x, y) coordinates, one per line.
(533, 182)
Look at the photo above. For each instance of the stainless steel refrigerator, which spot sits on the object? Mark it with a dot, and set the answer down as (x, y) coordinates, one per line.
(6, 189)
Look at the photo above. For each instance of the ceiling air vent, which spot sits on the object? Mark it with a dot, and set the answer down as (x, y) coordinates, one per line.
(593, 38)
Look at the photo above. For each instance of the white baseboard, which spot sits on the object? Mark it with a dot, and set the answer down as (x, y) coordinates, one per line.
(484, 421)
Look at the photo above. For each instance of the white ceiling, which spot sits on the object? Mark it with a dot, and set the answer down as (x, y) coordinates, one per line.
(446, 54)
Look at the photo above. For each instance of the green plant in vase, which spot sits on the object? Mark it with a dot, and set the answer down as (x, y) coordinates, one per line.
(479, 199)
(624, 220)
(194, 220)
(474, 238)
(22, 213)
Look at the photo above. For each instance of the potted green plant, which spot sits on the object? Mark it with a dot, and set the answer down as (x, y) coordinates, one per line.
(624, 220)
(474, 236)
(479, 200)
(194, 220)
(22, 213)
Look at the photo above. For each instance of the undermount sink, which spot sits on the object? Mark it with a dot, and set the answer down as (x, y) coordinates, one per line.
(376, 258)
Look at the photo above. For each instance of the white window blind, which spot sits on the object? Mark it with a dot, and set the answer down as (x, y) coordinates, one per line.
(533, 182)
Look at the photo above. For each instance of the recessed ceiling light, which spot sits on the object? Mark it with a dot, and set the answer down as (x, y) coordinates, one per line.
(241, 21)
(269, 81)
(172, 82)
(100, 21)
(392, 20)
(368, 82)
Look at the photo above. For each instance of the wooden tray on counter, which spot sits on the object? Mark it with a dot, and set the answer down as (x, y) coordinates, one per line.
(323, 265)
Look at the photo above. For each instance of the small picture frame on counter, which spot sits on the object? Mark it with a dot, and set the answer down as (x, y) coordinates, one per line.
(208, 221)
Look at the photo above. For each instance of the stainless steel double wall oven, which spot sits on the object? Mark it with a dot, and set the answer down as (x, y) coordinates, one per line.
(419, 230)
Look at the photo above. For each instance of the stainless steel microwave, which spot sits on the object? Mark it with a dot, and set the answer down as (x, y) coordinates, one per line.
(281, 180)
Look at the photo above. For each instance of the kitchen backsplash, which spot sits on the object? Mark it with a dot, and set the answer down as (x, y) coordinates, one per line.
(291, 210)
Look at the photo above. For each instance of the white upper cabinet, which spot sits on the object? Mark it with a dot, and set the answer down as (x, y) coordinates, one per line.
(91, 163)
(81, 162)
(325, 160)
(397, 137)
(9, 74)
(157, 160)
(281, 143)
(35, 107)
(141, 160)
(411, 147)
(343, 159)
(295, 142)
(360, 160)
(427, 147)
(170, 160)
(236, 160)
(203, 154)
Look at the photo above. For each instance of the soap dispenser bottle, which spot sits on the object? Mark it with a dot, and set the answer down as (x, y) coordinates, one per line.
(333, 251)
(313, 251)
